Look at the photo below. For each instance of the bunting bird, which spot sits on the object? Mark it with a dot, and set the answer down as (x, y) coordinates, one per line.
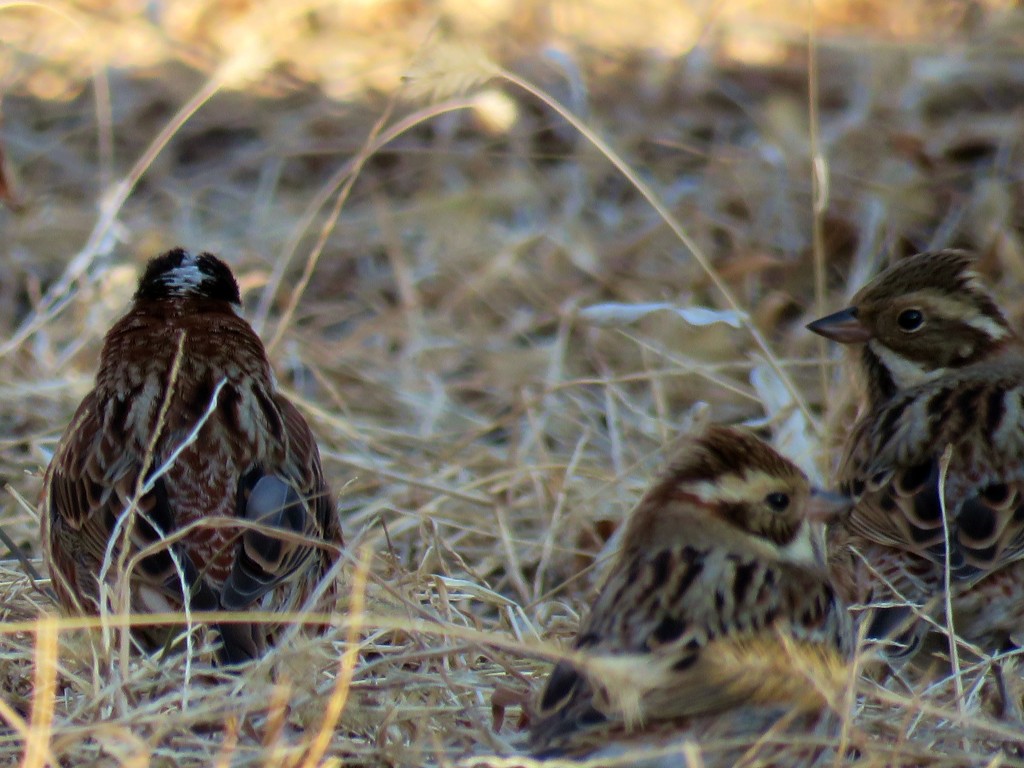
(186, 479)
(935, 461)
(722, 561)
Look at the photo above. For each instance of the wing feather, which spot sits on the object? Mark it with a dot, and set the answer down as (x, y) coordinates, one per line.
(892, 467)
(653, 635)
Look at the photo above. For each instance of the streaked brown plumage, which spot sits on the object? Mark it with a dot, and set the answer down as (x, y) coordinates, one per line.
(182, 356)
(720, 555)
(944, 372)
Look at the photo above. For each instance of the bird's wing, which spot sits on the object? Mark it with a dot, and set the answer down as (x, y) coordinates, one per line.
(653, 639)
(893, 462)
(285, 494)
(93, 492)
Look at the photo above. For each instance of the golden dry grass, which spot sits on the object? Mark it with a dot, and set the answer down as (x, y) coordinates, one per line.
(421, 200)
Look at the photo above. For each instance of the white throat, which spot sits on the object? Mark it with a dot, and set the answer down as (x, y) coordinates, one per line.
(905, 373)
(807, 547)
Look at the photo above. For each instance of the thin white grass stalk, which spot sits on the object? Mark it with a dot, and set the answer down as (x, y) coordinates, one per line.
(513, 566)
(556, 516)
(222, 521)
(59, 294)
(414, 482)
(985, 664)
(947, 582)
(519, 621)
(126, 521)
(694, 367)
(348, 170)
(922, 708)
(674, 224)
(122, 531)
(192, 436)
(346, 669)
(921, 613)
(147, 487)
(44, 686)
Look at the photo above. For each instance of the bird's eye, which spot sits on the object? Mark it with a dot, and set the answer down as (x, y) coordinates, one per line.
(777, 501)
(910, 320)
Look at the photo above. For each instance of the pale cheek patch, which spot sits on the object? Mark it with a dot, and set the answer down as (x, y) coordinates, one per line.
(906, 373)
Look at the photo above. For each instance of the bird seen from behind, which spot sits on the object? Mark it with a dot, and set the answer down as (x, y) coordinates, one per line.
(185, 478)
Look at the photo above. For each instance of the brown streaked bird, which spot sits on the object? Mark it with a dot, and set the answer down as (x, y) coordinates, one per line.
(723, 558)
(185, 432)
(944, 375)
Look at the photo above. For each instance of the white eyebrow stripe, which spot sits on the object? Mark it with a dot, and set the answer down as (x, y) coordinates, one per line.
(751, 485)
(988, 326)
(951, 306)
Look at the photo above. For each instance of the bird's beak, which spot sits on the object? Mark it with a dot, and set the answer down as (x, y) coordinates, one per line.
(827, 506)
(842, 326)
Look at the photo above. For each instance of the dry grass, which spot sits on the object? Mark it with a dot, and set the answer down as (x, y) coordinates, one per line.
(419, 254)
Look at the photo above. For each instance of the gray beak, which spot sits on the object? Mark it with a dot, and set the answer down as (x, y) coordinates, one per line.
(842, 326)
(827, 506)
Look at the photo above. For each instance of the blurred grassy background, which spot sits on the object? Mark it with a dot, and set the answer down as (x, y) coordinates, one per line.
(421, 296)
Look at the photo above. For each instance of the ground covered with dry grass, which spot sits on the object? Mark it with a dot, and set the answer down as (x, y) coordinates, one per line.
(424, 202)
